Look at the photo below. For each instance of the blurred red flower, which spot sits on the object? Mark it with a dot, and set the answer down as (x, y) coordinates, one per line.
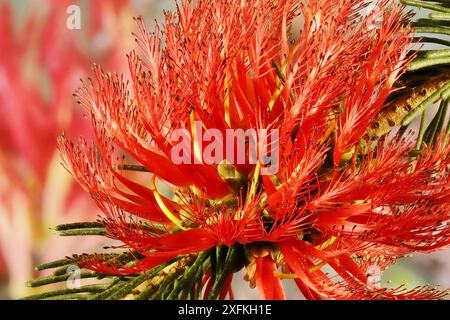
(40, 66)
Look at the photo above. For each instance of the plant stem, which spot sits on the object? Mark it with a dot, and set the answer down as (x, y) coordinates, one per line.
(55, 279)
(229, 266)
(421, 63)
(45, 295)
(70, 296)
(113, 287)
(437, 53)
(53, 264)
(436, 124)
(423, 4)
(79, 225)
(432, 29)
(189, 275)
(83, 232)
(444, 116)
(432, 40)
(130, 285)
(421, 130)
(422, 106)
(439, 16)
(132, 167)
(158, 295)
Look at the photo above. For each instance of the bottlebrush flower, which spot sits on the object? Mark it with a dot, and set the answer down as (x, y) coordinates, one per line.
(40, 66)
(339, 202)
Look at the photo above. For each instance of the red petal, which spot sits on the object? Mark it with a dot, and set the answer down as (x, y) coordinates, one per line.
(269, 286)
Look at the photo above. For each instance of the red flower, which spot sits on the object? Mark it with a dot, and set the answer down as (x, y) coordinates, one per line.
(239, 65)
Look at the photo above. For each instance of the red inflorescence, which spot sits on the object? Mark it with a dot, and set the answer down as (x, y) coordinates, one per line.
(338, 201)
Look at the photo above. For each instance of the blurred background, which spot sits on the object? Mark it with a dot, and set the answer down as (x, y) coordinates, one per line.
(43, 55)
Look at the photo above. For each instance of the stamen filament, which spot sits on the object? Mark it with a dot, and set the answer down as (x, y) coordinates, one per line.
(164, 208)
(317, 267)
(227, 97)
(197, 149)
(255, 179)
(327, 243)
(281, 275)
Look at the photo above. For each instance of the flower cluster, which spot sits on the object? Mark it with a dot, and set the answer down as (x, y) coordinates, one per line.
(342, 204)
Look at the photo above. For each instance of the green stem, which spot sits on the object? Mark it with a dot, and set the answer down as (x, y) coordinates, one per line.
(79, 225)
(432, 40)
(447, 132)
(169, 289)
(423, 4)
(116, 285)
(130, 285)
(61, 271)
(189, 275)
(83, 232)
(45, 295)
(146, 293)
(421, 107)
(228, 268)
(421, 63)
(436, 124)
(158, 295)
(132, 167)
(432, 29)
(55, 279)
(221, 254)
(445, 95)
(431, 22)
(54, 264)
(436, 53)
(439, 16)
(70, 296)
(445, 105)
(213, 259)
(421, 130)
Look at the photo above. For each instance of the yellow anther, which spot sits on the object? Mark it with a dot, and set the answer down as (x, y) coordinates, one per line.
(164, 208)
(197, 149)
(255, 179)
(281, 275)
(275, 97)
(317, 267)
(327, 243)
(226, 105)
